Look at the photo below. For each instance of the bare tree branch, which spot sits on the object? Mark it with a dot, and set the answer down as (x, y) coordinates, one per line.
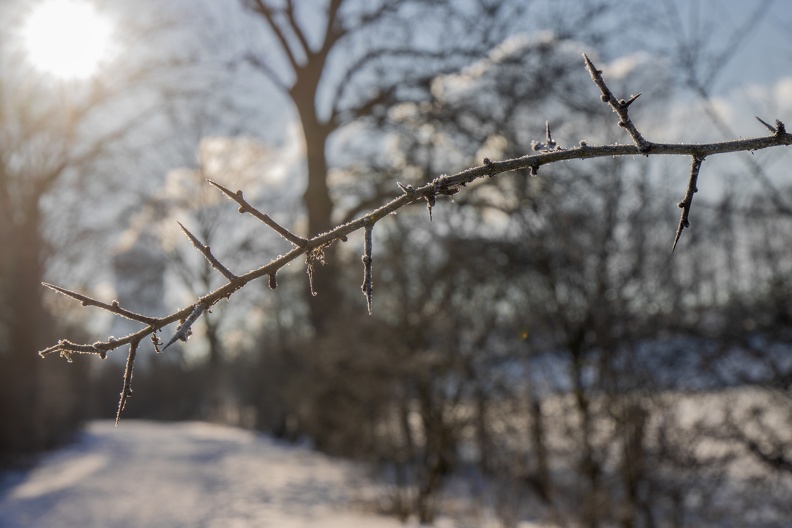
(444, 185)
(687, 201)
(263, 9)
(113, 307)
(693, 60)
(333, 31)
(619, 106)
(368, 284)
(358, 67)
(295, 27)
(126, 390)
(263, 66)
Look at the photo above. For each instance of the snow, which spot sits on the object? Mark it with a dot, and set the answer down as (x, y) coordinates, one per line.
(188, 474)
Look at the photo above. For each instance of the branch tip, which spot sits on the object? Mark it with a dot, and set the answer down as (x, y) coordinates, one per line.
(767, 125)
(407, 189)
(618, 106)
(631, 100)
(368, 283)
(687, 201)
(207, 253)
(245, 207)
(126, 390)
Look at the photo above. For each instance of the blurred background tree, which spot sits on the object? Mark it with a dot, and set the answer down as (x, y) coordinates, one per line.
(55, 136)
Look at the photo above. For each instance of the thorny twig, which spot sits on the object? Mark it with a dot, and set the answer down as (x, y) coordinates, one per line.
(245, 207)
(620, 106)
(687, 201)
(126, 390)
(445, 185)
(368, 281)
(113, 307)
(207, 253)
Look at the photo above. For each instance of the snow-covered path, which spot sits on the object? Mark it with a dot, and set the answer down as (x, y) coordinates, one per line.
(145, 474)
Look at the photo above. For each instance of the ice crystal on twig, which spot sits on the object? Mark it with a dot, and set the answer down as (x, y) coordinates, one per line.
(313, 256)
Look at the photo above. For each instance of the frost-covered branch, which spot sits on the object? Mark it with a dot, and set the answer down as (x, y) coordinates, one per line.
(687, 201)
(546, 153)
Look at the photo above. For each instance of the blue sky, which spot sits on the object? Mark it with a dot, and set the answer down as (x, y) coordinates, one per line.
(766, 53)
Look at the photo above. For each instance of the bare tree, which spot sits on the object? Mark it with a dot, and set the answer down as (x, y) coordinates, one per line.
(52, 135)
(363, 59)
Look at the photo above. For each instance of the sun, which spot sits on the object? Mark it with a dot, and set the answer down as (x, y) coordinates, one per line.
(66, 38)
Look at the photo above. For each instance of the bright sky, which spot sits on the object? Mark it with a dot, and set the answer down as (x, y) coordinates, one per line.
(766, 53)
(66, 38)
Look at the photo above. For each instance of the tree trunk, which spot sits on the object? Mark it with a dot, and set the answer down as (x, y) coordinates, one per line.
(542, 454)
(21, 431)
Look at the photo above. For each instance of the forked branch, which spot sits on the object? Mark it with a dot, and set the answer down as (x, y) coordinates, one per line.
(546, 153)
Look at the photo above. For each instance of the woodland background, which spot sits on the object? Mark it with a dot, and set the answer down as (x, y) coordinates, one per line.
(537, 337)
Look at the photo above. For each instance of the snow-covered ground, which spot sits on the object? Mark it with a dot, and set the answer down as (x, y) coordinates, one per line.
(148, 474)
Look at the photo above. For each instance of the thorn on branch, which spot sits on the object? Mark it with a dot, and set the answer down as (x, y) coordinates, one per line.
(185, 328)
(368, 283)
(126, 390)
(113, 307)
(631, 100)
(779, 129)
(767, 125)
(407, 189)
(549, 145)
(440, 185)
(272, 282)
(618, 106)
(687, 201)
(245, 207)
(207, 253)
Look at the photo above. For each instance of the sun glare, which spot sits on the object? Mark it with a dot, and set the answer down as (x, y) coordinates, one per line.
(66, 38)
